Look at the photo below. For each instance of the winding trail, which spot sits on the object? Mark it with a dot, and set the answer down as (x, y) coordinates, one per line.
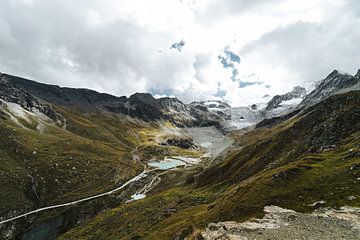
(153, 183)
(146, 188)
(134, 179)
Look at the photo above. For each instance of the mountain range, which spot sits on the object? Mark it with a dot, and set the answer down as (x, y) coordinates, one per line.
(60, 145)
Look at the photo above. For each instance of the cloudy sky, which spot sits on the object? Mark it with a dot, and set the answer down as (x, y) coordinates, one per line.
(236, 50)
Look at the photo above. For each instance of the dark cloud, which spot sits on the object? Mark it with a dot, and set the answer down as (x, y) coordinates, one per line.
(85, 44)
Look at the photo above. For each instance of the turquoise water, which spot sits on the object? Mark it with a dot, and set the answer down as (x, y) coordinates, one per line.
(167, 164)
(206, 144)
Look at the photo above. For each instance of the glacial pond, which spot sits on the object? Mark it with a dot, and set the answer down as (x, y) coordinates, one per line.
(168, 163)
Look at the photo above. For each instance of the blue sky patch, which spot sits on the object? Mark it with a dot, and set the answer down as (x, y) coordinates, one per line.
(178, 45)
(243, 84)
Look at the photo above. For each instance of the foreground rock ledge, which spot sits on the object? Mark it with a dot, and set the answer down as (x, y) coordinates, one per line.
(281, 224)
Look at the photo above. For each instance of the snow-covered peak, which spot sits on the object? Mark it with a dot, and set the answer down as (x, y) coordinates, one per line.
(334, 83)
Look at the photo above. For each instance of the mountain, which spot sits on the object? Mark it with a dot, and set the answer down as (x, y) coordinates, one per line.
(12, 96)
(307, 162)
(286, 99)
(247, 116)
(61, 144)
(139, 105)
(334, 83)
(83, 165)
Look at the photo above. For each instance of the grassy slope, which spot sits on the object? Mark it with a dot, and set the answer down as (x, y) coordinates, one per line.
(312, 157)
(94, 154)
(67, 165)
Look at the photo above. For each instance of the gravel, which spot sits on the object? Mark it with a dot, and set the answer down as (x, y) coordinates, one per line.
(281, 224)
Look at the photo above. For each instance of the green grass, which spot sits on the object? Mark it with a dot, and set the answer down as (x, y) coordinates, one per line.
(289, 165)
(92, 155)
(68, 164)
(326, 176)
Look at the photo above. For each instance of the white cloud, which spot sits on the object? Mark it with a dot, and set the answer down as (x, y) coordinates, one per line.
(122, 47)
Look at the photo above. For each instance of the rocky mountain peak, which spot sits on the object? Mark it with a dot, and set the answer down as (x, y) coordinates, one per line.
(297, 93)
(142, 97)
(357, 75)
(3, 78)
(333, 74)
(173, 104)
(334, 83)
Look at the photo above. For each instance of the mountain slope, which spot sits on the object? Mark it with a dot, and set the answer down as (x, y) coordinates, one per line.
(301, 161)
(334, 83)
(139, 105)
(53, 154)
(312, 157)
(276, 102)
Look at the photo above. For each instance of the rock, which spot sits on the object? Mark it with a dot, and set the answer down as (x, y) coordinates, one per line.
(317, 204)
(279, 223)
(355, 167)
(13, 94)
(254, 107)
(31, 188)
(334, 83)
(275, 102)
(168, 212)
(180, 142)
(351, 198)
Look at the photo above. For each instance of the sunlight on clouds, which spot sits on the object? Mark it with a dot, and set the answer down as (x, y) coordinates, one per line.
(122, 47)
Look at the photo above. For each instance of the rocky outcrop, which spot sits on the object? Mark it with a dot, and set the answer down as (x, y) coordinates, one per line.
(280, 223)
(275, 102)
(13, 94)
(180, 142)
(334, 83)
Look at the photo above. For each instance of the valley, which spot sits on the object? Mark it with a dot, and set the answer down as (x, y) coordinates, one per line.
(77, 164)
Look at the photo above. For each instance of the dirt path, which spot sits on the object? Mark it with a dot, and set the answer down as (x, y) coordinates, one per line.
(136, 178)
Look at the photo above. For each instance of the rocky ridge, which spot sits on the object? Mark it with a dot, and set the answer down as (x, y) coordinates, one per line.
(11, 94)
(297, 93)
(334, 83)
(142, 106)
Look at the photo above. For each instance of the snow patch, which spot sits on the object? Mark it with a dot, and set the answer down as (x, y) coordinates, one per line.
(16, 112)
(137, 196)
